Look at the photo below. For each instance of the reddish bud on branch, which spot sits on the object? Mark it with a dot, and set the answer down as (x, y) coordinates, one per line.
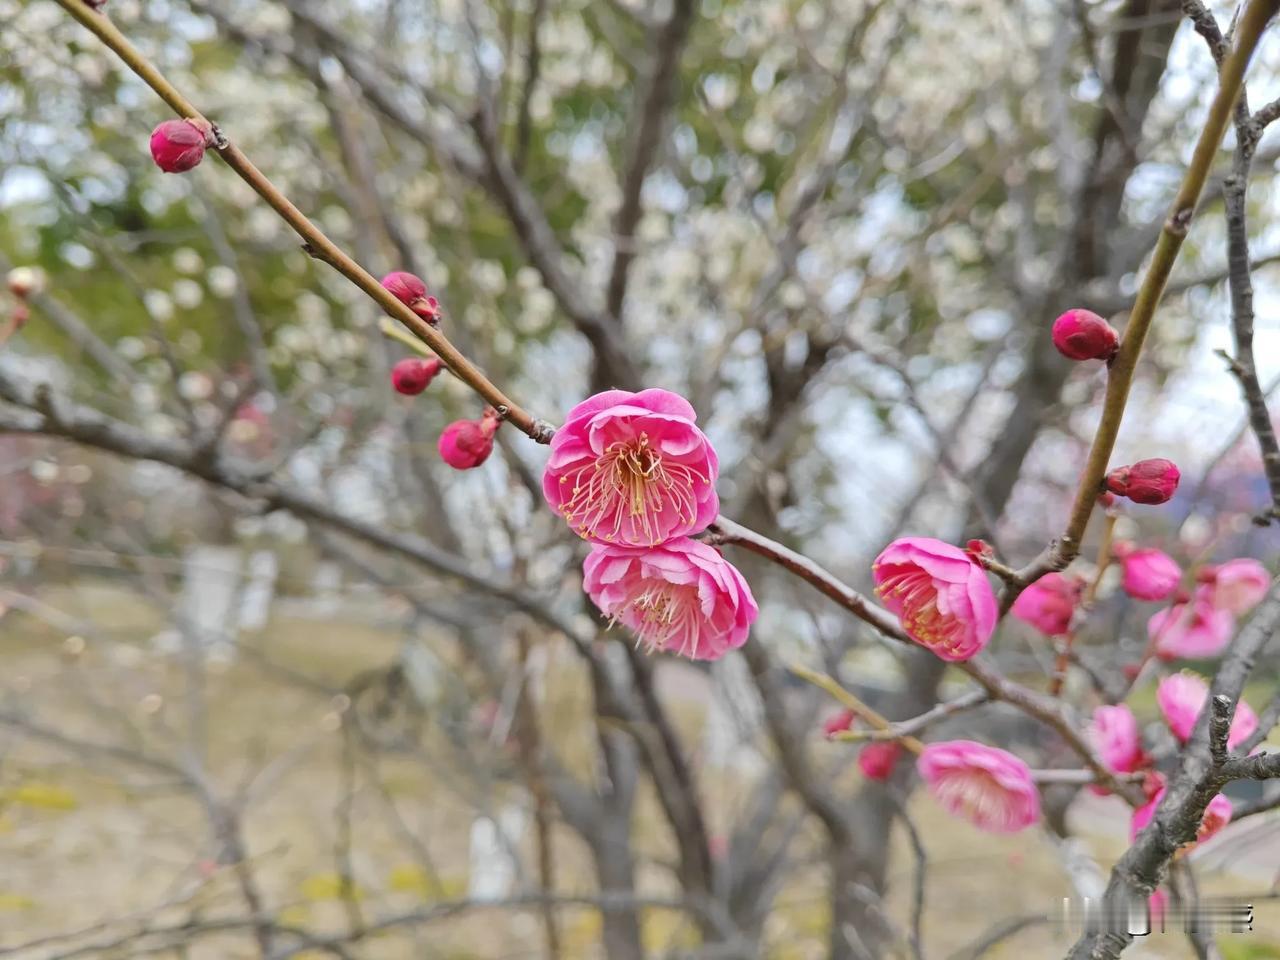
(179, 145)
(877, 760)
(465, 444)
(412, 375)
(1083, 335)
(1147, 481)
(412, 292)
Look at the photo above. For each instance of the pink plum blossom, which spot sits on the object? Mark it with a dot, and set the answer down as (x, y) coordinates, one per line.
(1237, 585)
(1181, 697)
(1049, 603)
(1114, 734)
(1194, 630)
(1216, 816)
(633, 469)
(679, 597)
(1149, 574)
(941, 596)
(987, 786)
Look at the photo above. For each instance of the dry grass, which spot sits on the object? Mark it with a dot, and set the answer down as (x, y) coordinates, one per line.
(85, 838)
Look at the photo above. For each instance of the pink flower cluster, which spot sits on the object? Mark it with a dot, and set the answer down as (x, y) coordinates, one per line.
(1201, 625)
(633, 474)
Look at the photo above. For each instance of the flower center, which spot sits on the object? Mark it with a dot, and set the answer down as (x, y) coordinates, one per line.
(973, 794)
(916, 595)
(631, 492)
(661, 615)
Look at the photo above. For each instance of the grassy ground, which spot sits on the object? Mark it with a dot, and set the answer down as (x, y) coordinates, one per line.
(86, 836)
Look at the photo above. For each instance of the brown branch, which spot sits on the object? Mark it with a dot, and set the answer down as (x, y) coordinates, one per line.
(1240, 284)
(1204, 766)
(655, 98)
(533, 62)
(1120, 378)
(315, 241)
(1046, 709)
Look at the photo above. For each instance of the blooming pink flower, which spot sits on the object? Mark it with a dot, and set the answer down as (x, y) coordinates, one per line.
(1049, 603)
(839, 723)
(941, 596)
(876, 760)
(1181, 697)
(1194, 630)
(1149, 574)
(1237, 585)
(1216, 816)
(1147, 481)
(179, 145)
(632, 468)
(412, 292)
(987, 786)
(681, 596)
(1114, 733)
(1083, 335)
(412, 375)
(467, 443)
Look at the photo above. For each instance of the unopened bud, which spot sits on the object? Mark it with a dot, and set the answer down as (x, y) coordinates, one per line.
(465, 444)
(412, 292)
(1083, 335)
(412, 375)
(1147, 481)
(179, 145)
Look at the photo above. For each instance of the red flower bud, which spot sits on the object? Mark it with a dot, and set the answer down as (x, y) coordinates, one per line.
(412, 292)
(21, 314)
(876, 760)
(467, 443)
(1147, 481)
(1131, 671)
(1082, 335)
(95, 4)
(178, 145)
(412, 375)
(978, 549)
(838, 723)
(1107, 499)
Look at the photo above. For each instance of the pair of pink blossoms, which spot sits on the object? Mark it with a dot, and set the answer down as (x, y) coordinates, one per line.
(1195, 626)
(945, 603)
(633, 474)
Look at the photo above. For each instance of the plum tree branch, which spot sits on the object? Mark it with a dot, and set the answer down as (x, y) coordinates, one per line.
(315, 241)
(1120, 379)
(1048, 710)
